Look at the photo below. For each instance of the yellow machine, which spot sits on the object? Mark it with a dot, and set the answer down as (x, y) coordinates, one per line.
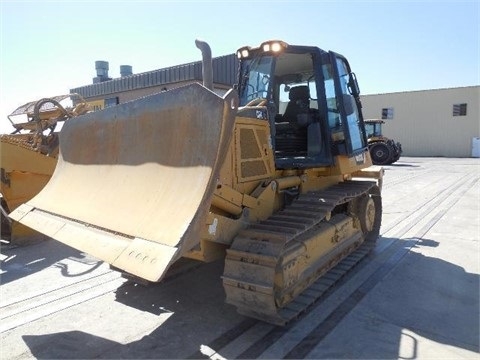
(29, 156)
(277, 179)
(383, 151)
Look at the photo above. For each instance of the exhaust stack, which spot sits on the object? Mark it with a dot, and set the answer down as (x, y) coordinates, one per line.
(207, 67)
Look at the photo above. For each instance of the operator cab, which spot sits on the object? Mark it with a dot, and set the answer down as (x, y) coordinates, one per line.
(373, 128)
(310, 98)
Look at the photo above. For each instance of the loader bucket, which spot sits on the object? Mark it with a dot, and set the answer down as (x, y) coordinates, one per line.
(133, 182)
(24, 172)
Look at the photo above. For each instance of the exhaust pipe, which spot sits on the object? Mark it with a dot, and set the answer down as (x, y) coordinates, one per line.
(207, 67)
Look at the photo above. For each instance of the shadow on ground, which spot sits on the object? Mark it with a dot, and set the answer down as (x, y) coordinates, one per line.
(18, 261)
(431, 292)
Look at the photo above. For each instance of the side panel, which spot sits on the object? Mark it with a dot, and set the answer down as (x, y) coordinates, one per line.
(253, 151)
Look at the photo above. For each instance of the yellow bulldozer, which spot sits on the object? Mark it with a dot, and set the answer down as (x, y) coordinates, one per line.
(29, 156)
(275, 177)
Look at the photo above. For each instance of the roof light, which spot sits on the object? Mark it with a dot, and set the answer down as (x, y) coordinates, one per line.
(274, 46)
(268, 46)
(243, 52)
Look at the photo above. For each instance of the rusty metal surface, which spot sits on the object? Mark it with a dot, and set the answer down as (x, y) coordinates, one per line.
(136, 179)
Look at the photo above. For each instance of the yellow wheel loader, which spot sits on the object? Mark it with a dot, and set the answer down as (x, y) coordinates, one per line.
(275, 176)
(383, 151)
(29, 156)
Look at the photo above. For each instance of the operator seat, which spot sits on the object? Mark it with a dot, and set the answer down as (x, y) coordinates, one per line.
(292, 126)
(299, 104)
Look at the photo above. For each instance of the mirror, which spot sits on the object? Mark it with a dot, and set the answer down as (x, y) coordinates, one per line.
(353, 87)
(349, 104)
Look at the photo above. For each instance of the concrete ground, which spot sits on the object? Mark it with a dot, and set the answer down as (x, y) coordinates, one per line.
(415, 297)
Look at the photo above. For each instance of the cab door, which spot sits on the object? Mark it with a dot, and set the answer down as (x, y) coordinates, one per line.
(347, 95)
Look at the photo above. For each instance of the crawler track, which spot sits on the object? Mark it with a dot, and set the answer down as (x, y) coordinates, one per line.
(252, 262)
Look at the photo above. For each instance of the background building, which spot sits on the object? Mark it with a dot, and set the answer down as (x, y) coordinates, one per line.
(105, 92)
(438, 122)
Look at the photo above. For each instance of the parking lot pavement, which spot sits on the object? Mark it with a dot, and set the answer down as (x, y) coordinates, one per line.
(416, 296)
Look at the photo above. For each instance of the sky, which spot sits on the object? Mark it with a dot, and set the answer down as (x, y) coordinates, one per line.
(50, 47)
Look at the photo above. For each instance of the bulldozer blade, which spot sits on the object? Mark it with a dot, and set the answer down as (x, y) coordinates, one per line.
(134, 182)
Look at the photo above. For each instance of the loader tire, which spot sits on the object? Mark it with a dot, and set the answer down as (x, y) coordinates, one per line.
(381, 153)
(395, 159)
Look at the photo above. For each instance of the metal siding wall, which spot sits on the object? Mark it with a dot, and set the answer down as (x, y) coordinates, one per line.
(197, 75)
(423, 122)
(224, 72)
(224, 69)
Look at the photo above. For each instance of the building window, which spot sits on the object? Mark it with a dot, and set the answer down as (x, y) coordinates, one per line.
(459, 109)
(111, 102)
(387, 113)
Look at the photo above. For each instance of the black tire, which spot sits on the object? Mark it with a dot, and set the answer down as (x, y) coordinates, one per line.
(5, 230)
(380, 153)
(395, 159)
